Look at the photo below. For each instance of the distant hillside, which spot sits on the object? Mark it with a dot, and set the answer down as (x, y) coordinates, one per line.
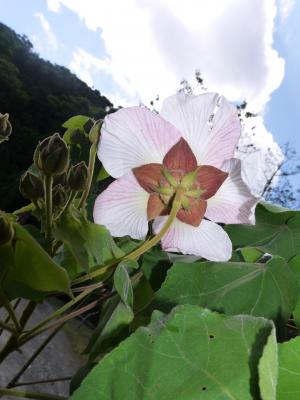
(39, 97)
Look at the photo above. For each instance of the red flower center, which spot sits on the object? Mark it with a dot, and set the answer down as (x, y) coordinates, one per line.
(179, 167)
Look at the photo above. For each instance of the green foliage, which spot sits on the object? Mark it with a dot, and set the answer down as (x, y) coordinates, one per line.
(276, 231)
(182, 356)
(29, 266)
(39, 96)
(85, 244)
(232, 288)
(289, 370)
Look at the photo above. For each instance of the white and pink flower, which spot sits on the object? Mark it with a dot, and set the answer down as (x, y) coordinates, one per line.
(191, 143)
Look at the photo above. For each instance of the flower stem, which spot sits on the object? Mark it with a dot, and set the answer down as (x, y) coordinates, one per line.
(91, 166)
(10, 310)
(145, 246)
(30, 395)
(22, 210)
(68, 203)
(48, 181)
(153, 241)
(57, 313)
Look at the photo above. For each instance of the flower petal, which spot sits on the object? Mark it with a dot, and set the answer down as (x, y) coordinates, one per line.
(193, 216)
(208, 240)
(191, 115)
(180, 157)
(132, 137)
(122, 208)
(233, 203)
(210, 179)
(148, 176)
(155, 207)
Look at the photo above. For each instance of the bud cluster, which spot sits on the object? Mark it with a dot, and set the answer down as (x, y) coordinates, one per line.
(78, 177)
(52, 155)
(31, 187)
(5, 127)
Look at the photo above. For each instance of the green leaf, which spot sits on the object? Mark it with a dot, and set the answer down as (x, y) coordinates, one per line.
(268, 369)
(155, 266)
(268, 290)
(289, 370)
(103, 174)
(251, 254)
(115, 317)
(86, 244)
(34, 268)
(192, 353)
(123, 285)
(76, 122)
(277, 233)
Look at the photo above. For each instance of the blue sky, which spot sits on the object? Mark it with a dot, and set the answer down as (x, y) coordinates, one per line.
(132, 51)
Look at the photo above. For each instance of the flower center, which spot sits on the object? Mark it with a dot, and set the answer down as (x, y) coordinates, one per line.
(179, 168)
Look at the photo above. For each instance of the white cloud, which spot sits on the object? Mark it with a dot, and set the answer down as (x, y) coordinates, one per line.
(53, 5)
(152, 45)
(84, 64)
(51, 40)
(285, 9)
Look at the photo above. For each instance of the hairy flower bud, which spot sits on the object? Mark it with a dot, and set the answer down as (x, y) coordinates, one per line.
(59, 196)
(5, 127)
(52, 155)
(60, 179)
(78, 176)
(6, 230)
(78, 137)
(31, 186)
(95, 132)
(88, 125)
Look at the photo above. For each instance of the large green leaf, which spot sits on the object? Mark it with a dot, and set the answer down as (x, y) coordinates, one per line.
(115, 317)
(76, 122)
(191, 354)
(289, 370)
(275, 232)
(269, 290)
(33, 267)
(268, 369)
(86, 244)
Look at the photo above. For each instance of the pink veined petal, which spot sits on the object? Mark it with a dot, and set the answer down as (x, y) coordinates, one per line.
(122, 208)
(208, 240)
(233, 203)
(212, 142)
(132, 137)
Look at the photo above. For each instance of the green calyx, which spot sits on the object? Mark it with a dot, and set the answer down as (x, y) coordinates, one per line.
(169, 177)
(52, 155)
(189, 179)
(31, 187)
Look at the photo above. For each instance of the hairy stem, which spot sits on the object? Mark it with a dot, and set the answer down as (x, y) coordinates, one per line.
(6, 303)
(91, 166)
(48, 181)
(145, 246)
(68, 203)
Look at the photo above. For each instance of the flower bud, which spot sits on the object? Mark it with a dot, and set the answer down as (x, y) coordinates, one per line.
(31, 186)
(5, 127)
(78, 176)
(59, 196)
(52, 155)
(6, 230)
(95, 132)
(60, 179)
(78, 137)
(88, 125)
